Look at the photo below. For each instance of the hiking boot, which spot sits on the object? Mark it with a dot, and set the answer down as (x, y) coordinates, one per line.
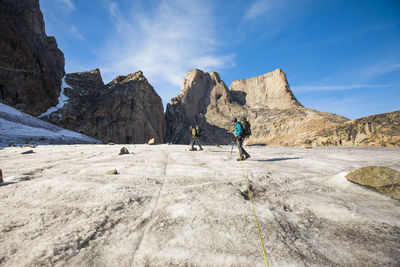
(239, 159)
(192, 149)
(247, 156)
(200, 149)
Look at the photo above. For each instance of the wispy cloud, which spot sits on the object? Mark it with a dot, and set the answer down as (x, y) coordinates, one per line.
(374, 71)
(57, 10)
(350, 107)
(315, 88)
(113, 9)
(76, 34)
(258, 8)
(179, 36)
(349, 34)
(264, 19)
(353, 106)
(68, 5)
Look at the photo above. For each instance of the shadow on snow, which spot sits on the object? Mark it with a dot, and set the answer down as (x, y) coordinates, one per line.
(277, 159)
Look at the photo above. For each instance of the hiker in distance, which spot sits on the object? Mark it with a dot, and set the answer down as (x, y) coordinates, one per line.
(196, 134)
(243, 155)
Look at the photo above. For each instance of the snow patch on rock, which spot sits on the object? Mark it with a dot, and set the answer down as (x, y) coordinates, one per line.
(62, 100)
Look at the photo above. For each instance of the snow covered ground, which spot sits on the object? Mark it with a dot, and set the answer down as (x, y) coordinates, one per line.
(171, 207)
(19, 128)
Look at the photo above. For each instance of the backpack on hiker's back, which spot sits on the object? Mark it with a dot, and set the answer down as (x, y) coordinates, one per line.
(199, 131)
(246, 127)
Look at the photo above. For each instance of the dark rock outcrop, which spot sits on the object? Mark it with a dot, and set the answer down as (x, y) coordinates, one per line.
(268, 103)
(379, 178)
(127, 110)
(31, 65)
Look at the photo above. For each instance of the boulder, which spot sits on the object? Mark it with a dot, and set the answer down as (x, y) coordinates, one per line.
(127, 110)
(112, 172)
(379, 178)
(31, 65)
(151, 141)
(28, 145)
(123, 151)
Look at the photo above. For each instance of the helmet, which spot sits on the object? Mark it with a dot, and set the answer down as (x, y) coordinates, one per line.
(234, 119)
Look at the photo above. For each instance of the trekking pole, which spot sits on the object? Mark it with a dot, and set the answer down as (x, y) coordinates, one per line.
(233, 143)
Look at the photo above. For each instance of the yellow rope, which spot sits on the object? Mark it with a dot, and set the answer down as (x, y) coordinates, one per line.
(254, 212)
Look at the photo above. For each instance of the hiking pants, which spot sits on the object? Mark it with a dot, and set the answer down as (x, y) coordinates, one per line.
(195, 139)
(242, 153)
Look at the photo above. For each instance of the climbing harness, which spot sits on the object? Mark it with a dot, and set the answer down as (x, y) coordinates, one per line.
(254, 212)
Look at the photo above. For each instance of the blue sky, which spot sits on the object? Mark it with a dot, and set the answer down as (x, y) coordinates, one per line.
(339, 56)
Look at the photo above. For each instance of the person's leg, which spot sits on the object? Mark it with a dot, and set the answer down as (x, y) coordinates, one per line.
(239, 143)
(198, 142)
(245, 153)
(192, 144)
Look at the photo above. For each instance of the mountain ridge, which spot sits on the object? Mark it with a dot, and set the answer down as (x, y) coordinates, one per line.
(126, 110)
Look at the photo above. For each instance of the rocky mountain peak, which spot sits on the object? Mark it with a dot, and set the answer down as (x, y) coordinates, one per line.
(31, 65)
(137, 76)
(87, 82)
(126, 110)
(199, 89)
(200, 92)
(195, 86)
(267, 102)
(270, 90)
(215, 76)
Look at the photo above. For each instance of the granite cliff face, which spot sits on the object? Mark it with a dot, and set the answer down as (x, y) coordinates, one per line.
(31, 65)
(267, 101)
(268, 91)
(375, 130)
(205, 101)
(127, 110)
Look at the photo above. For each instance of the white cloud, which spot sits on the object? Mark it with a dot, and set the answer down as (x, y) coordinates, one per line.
(76, 34)
(179, 36)
(374, 71)
(113, 9)
(307, 88)
(68, 5)
(259, 7)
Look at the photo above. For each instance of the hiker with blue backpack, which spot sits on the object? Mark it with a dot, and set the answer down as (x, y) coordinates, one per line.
(241, 132)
